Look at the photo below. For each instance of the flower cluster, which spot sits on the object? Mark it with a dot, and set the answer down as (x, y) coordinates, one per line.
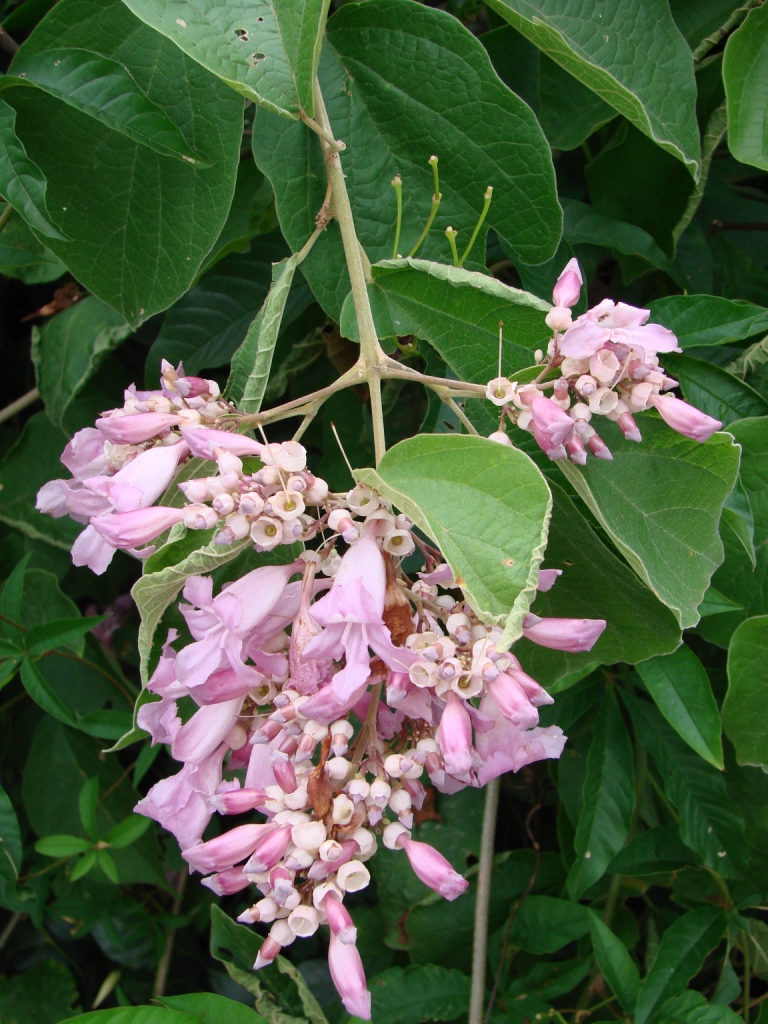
(125, 464)
(608, 360)
(326, 693)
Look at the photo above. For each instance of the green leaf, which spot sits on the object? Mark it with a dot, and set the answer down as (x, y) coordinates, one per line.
(746, 701)
(704, 320)
(214, 1009)
(11, 600)
(41, 693)
(487, 508)
(697, 19)
(136, 1015)
(715, 391)
(241, 43)
(252, 362)
(103, 89)
(108, 866)
(660, 503)
(20, 995)
(692, 1008)
(282, 995)
(408, 995)
(24, 257)
(750, 360)
(21, 181)
(301, 24)
(127, 831)
(654, 851)
(208, 323)
(616, 965)
(714, 602)
(608, 799)
(88, 804)
(633, 57)
(60, 633)
(737, 513)
(10, 840)
(62, 846)
(745, 74)
(682, 950)
(584, 226)
(682, 692)
(400, 114)
(595, 584)
(710, 824)
(84, 866)
(140, 224)
(544, 924)
(458, 312)
(69, 348)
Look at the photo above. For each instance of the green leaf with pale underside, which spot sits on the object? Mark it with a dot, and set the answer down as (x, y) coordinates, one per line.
(487, 508)
(746, 703)
(660, 503)
(745, 75)
(630, 54)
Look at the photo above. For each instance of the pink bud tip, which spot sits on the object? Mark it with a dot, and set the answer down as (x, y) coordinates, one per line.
(685, 418)
(568, 286)
(432, 868)
(269, 950)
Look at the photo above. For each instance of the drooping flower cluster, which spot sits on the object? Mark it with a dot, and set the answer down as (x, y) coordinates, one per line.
(125, 464)
(608, 359)
(326, 693)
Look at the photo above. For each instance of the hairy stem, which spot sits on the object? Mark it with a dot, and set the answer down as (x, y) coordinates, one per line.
(483, 902)
(371, 354)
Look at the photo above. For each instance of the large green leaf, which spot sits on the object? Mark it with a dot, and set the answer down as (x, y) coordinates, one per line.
(710, 823)
(691, 1007)
(70, 347)
(682, 692)
(458, 312)
(400, 113)
(745, 74)
(21, 181)
(595, 584)
(408, 995)
(652, 852)
(136, 1015)
(214, 1009)
(544, 924)
(264, 49)
(139, 224)
(608, 799)
(103, 89)
(703, 320)
(487, 508)
(252, 362)
(32, 461)
(660, 503)
(746, 703)
(10, 840)
(20, 1001)
(715, 391)
(23, 255)
(583, 225)
(682, 950)
(631, 55)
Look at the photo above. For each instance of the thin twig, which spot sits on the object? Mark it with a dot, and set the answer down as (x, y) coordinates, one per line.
(462, 416)
(25, 400)
(161, 977)
(9, 928)
(8, 44)
(482, 902)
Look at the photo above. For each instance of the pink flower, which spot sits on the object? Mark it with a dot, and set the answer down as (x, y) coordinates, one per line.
(91, 549)
(203, 442)
(269, 849)
(567, 288)
(455, 736)
(352, 614)
(225, 883)
(349, 977)
(551, 426)
(181, 803)
(619, 323)
(505, 748)
(226, 850)
(133, 529)
(684, 418)
(547, 579)
(205, 730)
(84, 455)
(136, 428)
(512, 701)
(573, 635)
(339, 921)
(432, 868)
(142, 480)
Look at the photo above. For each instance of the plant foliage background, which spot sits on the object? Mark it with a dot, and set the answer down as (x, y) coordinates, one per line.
(155, 168)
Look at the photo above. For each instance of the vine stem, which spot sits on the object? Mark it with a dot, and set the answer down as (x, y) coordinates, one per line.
(371, 355)
(161, 977)
(483, 901)
(20, 403)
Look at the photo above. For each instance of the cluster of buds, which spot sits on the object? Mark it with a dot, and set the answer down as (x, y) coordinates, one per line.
(609, 366)
(329, 692)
